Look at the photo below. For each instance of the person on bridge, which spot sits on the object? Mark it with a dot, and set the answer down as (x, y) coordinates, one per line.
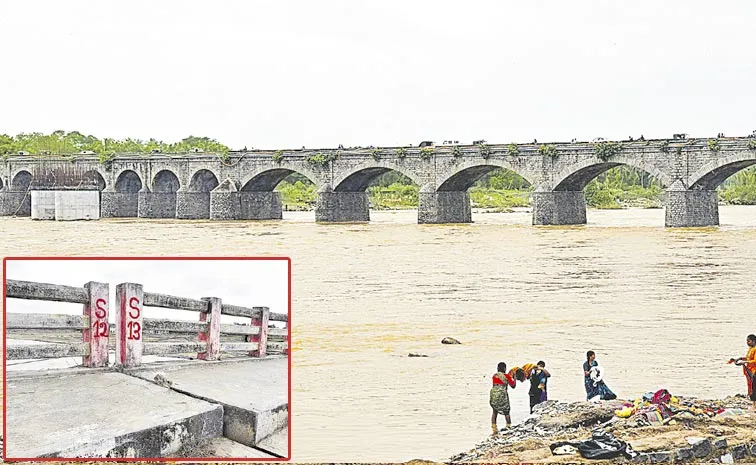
(749, 368)
(538, 379)
(499, 397)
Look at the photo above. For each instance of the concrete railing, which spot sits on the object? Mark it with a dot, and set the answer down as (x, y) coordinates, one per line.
(93, 323)
(258, 338)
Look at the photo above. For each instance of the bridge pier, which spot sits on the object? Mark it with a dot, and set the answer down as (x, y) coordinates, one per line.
(157, 204)
(260, 205)
(192, 205)
(687, 208)
(558, 207)
(15, 203)
(439, 207)
(119, 204)
(341, 207)
(228, 203)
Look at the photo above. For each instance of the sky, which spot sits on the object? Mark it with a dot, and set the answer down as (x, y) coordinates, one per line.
(292, 73)
(247, 283)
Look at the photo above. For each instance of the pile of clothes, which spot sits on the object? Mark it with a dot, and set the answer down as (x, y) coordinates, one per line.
(601, 446)
(660, 407)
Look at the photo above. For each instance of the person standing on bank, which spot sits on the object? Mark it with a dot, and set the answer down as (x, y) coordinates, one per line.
(590, 390)
(538, 378)
(749, 368)
(499, 397)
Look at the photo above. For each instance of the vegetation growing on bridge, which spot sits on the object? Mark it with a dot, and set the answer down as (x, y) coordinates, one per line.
(426, 153)
(321, 159)
(484, 150)
(607, 149)
(713, 145)
(513, 150)
(548, 150)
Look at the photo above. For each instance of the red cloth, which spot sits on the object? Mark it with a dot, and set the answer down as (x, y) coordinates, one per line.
(497, 379)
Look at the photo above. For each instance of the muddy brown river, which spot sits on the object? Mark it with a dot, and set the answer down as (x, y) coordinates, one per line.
(662, 308)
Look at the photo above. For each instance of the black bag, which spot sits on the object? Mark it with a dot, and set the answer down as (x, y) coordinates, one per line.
(601, 446)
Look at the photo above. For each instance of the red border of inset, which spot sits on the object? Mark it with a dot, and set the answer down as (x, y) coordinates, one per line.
(145, 459)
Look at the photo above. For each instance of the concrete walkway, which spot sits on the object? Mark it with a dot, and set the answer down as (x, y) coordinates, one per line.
(102, 415)
(223, 408)
(254, 393)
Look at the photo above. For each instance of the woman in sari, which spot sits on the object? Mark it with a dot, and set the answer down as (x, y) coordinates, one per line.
(499, 397)
(590, 389)
(594, 380)
(749, 368)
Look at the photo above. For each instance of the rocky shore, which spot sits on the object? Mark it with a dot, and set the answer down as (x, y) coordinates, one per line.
(689, 431)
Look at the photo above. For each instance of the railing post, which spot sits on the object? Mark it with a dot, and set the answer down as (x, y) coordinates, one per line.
(212, 336)
(262, 337)
(129, 301)
(97, 333)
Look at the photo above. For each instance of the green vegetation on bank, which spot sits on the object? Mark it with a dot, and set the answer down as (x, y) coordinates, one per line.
(499, 190)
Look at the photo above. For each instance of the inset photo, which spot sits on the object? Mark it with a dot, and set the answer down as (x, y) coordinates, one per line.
(146, 358)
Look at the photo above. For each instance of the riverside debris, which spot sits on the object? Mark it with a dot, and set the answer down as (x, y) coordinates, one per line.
(689, 438)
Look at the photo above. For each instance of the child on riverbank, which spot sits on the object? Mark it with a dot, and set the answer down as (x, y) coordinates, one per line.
(499, 397)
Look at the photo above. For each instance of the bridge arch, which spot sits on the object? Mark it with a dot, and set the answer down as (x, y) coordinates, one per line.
(359, 179)
(165, 181)
(711, 175)
(94, 177)
(266, 181)
(203, 181)
(128, 182)
(576, 176)
(21, 181)
(464, 179)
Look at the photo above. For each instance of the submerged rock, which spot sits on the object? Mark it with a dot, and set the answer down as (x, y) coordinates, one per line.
(413, 354)
(450, 340)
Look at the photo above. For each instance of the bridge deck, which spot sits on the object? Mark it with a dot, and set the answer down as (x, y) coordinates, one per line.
(254, 393)
(102, 414)
(97, 412)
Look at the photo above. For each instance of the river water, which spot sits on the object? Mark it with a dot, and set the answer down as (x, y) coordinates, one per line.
(661, 307)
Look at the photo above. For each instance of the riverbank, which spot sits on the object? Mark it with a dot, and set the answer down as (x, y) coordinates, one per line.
(720, 431)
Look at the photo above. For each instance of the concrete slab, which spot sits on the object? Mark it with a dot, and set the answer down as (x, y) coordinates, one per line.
(253, 392)
(103, 414)
(277, 443)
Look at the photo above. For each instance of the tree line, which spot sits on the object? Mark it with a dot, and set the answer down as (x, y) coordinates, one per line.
(74, 142)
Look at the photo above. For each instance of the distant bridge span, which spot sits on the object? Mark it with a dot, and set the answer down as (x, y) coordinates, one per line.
(241, 186)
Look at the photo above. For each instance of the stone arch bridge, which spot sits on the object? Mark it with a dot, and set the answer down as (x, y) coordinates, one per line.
(241, 186)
